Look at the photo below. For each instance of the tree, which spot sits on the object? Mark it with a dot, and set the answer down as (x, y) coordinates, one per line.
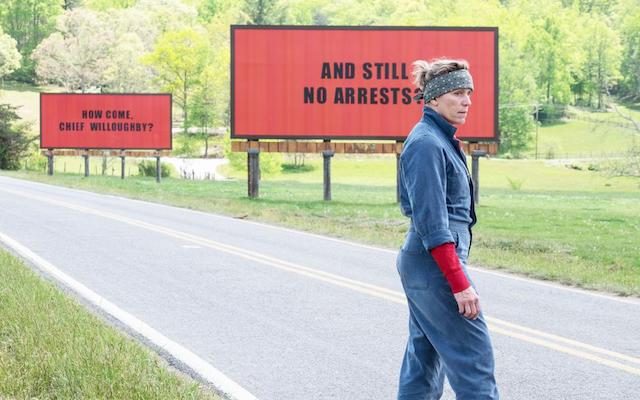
(90, 52)
(603, 58)
(263, 12)
(518, 90)
(77, 55)
(71, 4)
(168, 15)
(593, 6)
(203, 114)
(14, 138)
(103, 5)
(210, 101)
(308, 12)
(630, 67)
(179, 59)
(9, 55)
(208, 9)
(28, 22)
(134, 20)
(124, 73)
(554, 46)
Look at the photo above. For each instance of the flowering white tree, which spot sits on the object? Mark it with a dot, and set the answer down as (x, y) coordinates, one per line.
(77, 55)
(9, 55)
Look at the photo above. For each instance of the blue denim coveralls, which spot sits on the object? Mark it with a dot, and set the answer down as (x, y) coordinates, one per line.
(436, 193)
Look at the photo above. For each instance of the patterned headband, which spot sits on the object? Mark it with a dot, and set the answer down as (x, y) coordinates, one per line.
(458, 79)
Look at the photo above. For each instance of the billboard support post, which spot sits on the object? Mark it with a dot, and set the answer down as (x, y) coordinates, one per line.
(158, 169)
(326, 155)
(475, 172)
(253, 170)
(86, 162)
(122, 163)
(50, 162)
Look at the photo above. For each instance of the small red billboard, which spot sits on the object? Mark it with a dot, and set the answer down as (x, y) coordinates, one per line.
(293, 82)
(105, 121)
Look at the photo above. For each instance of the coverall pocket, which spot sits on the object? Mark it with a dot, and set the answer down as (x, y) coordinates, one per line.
(456, 238)
(415, 269)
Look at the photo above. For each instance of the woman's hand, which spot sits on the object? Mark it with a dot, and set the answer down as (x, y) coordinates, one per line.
(468, 303)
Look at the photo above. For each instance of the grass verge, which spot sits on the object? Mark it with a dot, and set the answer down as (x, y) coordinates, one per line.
(52, 348)
(585, 238)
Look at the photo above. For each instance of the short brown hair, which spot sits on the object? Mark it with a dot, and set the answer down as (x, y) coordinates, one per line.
(424, 71)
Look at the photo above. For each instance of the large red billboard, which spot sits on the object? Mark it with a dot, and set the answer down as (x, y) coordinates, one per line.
(294, 82)
(105, 121)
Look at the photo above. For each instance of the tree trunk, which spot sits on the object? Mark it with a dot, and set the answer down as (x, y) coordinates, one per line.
(600, 87)
(184, 103)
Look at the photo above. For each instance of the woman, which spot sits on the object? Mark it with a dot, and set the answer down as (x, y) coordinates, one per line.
(447, 332)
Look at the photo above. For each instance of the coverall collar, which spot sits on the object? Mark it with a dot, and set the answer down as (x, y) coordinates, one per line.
(448, 129)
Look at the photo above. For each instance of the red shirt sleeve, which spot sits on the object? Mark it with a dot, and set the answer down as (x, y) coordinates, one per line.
(449, 263)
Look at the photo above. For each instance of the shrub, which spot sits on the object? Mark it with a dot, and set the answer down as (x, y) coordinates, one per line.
(148, 168)
(290, 168)
(186, 145)
(515, 184)
(14, 138)
(270, 163)
(550, 113)
(34, 161)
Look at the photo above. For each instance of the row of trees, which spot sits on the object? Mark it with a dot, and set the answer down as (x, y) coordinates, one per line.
(552, 52)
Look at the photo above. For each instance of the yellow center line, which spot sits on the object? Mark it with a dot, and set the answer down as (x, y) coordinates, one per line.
(529, 335)
(496, 321)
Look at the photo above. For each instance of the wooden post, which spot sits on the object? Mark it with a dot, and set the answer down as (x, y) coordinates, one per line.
(475, 173)
(86, 162)
(253, 169)
(158, 169)
(122, 163)
(326, 155)
(50, 162)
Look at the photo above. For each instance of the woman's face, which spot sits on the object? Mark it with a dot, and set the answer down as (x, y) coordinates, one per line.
(453, 106)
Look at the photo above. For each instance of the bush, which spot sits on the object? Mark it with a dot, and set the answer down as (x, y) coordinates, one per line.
(14, 138)
(550, 113)
(270, 163)
(148, 168)
(34, 161)
(629, 165)
(515, 184)
(186, 145)
(515, 131)
(290, 168)
(550, 152)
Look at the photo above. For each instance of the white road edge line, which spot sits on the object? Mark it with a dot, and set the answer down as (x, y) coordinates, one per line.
(197, 364)
(343, 241)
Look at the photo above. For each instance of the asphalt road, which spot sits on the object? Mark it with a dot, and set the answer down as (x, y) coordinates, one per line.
(289, 315)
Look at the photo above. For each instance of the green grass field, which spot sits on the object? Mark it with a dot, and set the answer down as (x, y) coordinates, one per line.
(495, 173)
(583, 139)
(52, 348)
(588, 135)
